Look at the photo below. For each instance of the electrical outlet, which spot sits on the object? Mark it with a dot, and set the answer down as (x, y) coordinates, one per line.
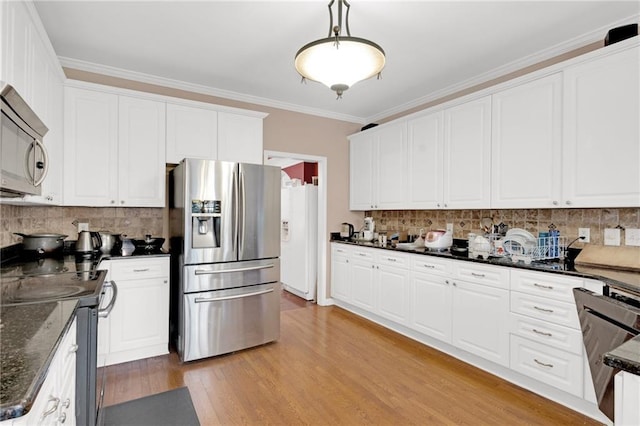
(449, 227)
(586, 233)
(612, 237)
(632, 237)
(83, 226)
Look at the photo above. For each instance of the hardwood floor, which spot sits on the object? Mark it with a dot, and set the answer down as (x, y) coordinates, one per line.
(332, 367)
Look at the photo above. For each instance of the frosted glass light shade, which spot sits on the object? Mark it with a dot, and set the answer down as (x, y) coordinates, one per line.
(340, 66)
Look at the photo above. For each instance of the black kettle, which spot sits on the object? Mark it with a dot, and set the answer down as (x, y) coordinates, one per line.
(346, 230)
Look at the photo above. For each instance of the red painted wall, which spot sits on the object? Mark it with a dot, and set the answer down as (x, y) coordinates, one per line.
(302, 171)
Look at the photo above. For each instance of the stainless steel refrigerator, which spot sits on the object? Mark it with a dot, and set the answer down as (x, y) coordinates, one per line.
(224, 224)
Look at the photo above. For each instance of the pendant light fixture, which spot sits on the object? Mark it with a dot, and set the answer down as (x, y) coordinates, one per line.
(339, 61)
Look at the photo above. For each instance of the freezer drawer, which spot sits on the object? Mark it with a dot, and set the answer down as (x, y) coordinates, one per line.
(223, 321)
(220, 276)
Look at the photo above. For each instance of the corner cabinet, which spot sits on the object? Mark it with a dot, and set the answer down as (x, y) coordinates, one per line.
(378, 168)
(114, 150)
(138, 325)
(601, 147)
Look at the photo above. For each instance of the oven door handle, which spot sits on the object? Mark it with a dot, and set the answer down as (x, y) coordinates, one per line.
(224, 271)
(103, 313)
(237, 296)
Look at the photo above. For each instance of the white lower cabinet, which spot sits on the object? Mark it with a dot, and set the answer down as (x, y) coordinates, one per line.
(55, 401)
(431, 305)
(138, 325)
(627, 395)
(340, 272)
(362, 281)
(392, 279)
(545, 363)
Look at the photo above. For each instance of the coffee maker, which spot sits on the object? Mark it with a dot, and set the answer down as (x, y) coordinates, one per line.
(369, 227)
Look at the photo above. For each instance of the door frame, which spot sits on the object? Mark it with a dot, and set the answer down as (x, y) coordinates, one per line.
(321, 290)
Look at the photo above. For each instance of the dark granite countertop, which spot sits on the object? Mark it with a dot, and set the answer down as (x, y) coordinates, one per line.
(626, 357)
(29, 337)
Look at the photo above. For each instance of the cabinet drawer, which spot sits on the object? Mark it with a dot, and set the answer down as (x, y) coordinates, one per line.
(557, 368)
(133, 269)
(557, 336)
(488, 275)
(361, 253)
(431, 264)
(340, 250)
(387, 257)
(554, 311)
(553, 286)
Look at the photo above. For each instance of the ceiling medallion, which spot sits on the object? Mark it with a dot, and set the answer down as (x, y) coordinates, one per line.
(339, 61)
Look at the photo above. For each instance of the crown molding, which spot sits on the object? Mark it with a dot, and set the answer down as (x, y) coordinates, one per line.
(543, 55)
(201, 89)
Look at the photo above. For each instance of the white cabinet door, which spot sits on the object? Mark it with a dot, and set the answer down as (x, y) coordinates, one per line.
(481, 320)
(601, 148)
(239, 138)
(191, 133)
(362, 284)
(135, 328)
(17, 47)
(627, 395)
(526, 145)
(340, 277)
(390, 167)
(431, 305)
(467, 155)
(141, 153)
(393, 293)
(361, 148)
(425, 146)
(90, 148)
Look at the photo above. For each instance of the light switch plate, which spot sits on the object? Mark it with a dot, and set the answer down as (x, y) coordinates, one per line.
(449, 227)
(612, 237)
(632, 237)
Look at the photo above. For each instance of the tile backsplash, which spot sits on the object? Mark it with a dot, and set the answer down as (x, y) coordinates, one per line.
(533, 220)
(135, 222)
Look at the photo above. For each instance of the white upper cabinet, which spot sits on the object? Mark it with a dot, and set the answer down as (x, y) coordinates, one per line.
(191, 133)
(425, 147)
(90, 147)
(17, 48)
(526, 145)
(361, 147)
(601, 149)
(467, 155)
(378, 171)
(240, 138)
(114, 150)
(141, 152)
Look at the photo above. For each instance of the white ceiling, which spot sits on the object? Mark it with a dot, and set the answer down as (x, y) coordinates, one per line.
(244, 50)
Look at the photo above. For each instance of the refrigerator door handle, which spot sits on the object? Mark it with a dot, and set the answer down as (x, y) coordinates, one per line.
(224, 271)
(238, 296)
(241, 212)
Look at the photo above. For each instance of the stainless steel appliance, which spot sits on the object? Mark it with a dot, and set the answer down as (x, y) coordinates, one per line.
(346, 230)
(23, 281)
(225, 245)
(23, 156)
(609, 319)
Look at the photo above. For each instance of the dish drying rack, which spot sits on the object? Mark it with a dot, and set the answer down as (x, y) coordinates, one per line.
(544, 248)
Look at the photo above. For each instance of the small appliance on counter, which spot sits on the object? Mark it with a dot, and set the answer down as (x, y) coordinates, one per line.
(438, 240)
(346, 231)
(369, 227)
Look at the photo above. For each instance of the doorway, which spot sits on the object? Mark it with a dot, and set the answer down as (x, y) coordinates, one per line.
(281, 159)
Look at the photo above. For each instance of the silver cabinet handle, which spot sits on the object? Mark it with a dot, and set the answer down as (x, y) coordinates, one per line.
(141, 270)
(238, 296)
(541, 332)
(542, 309)
(56, 402)
(103, 313)
(66, 403)
(73, 348)
(225, 271)
(548, 287)
(428, 266)
(62, 418)
(361, 254)
(478, 275)
(391, 259)
(543, 364)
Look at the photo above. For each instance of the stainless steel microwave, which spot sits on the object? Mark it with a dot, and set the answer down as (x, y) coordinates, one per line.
(23, 156)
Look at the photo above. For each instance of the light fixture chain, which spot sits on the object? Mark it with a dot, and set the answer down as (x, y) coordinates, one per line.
(346, 19)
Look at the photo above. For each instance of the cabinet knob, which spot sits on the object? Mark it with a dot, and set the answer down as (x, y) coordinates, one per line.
(113, 201)
(445, 205)
(62, 418)
(66, 403)
(73, 348)
(122, 202)
(454, 284)
(438, 205)
(555, 203)
(446, 282)
(568, 202)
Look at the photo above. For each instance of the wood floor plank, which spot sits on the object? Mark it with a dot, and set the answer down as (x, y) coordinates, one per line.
(332, 367)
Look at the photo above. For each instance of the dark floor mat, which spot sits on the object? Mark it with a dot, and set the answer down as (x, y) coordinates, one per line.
(171, 408)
